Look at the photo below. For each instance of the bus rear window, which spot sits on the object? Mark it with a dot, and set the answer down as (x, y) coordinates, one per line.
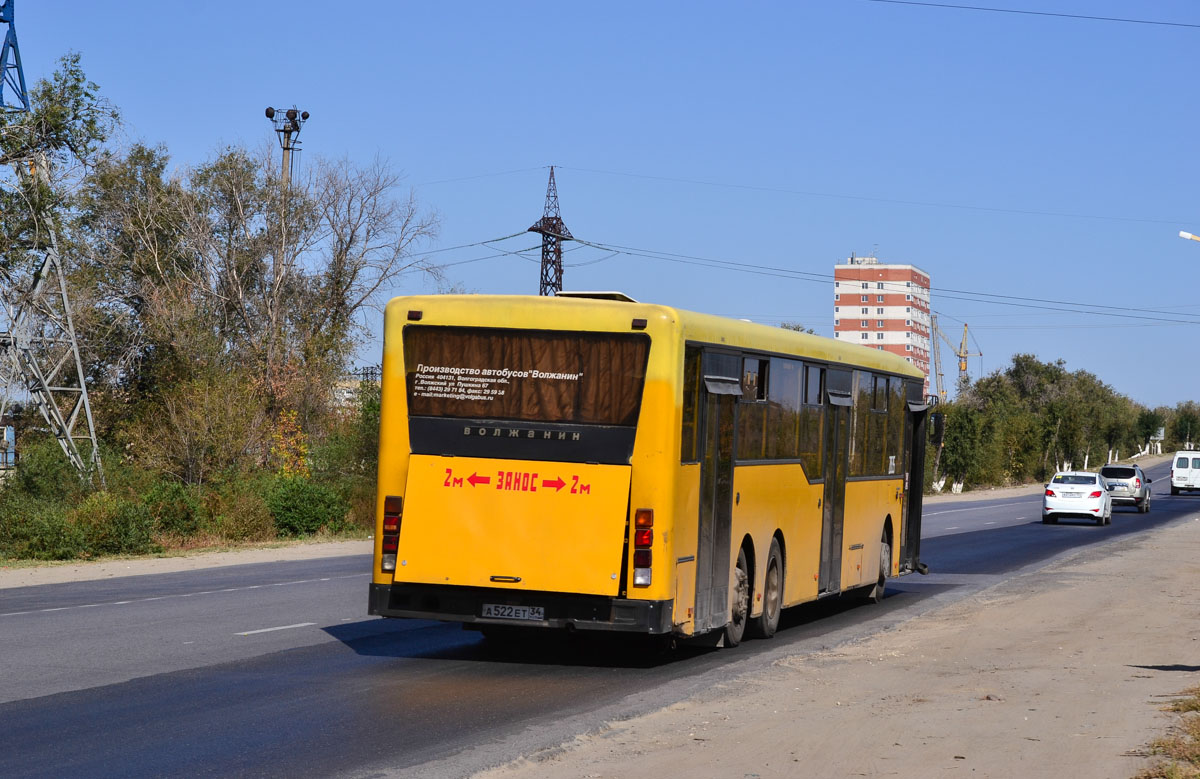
(525, 375)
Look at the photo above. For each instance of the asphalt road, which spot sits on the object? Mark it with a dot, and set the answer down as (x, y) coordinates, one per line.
(272, 669)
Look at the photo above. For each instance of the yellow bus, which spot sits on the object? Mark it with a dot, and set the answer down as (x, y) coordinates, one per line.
(587, 462)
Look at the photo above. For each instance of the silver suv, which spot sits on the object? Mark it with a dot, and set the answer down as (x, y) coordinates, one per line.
(1128, 484)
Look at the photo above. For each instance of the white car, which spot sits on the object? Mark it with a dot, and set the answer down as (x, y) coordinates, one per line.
(1077, 494)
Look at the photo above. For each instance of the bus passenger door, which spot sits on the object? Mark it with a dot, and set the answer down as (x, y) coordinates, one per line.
(915, 432)
(716, 499)
(837, 456)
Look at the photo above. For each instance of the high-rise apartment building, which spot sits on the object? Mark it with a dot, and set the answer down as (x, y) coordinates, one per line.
(885, 306)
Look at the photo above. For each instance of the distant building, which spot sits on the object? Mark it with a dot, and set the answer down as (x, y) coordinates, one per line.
(8, 444)
(346, 389)
(883, 305)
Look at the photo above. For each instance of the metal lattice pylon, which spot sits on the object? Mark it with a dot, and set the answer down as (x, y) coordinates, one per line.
(553, 232)
(12, 75)
(39, 356)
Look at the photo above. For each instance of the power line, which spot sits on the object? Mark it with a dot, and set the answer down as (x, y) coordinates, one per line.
(480, 176)
(1038, 13)
(952, 294)
(872, 199)
(945, 293)
(490, 257)
(477, 243)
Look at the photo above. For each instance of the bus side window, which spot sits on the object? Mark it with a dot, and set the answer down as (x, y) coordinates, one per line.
(691, 405)
(897, 416)
(812, 422)
(877, 429)
(752, 411)
(784, 397)
(863, 391)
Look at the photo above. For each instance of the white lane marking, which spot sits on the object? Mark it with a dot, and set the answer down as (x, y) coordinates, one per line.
(989, 523)
(272, 630)
(973, 508)
(182, 595)
(953, 528)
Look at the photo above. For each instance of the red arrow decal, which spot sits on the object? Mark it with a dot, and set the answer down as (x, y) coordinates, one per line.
(557, 484)
(475, 480)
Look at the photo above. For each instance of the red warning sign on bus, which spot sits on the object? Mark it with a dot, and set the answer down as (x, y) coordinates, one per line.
(518, 481)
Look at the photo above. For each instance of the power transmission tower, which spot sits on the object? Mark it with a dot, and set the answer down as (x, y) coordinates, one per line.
(554, 232)
(39, 354)
(11, 73)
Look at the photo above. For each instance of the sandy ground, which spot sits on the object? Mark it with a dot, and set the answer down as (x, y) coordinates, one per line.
(1057, 673)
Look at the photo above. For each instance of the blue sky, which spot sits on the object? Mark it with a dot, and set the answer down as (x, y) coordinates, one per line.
(1008, 154)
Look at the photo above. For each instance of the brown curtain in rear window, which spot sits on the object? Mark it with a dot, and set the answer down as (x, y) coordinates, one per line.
(535, 376)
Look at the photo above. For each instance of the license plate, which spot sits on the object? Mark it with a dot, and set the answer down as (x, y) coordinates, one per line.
(1072, 494)
(501, 611)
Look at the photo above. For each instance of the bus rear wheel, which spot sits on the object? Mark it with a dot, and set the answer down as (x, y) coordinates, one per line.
(765, 625)
(875, 591)
(740, 611)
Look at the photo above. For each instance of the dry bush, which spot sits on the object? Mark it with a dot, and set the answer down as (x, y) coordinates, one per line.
(202, 427)
(238, 513)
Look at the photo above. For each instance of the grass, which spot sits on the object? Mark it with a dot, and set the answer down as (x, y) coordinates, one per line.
(1179, 752)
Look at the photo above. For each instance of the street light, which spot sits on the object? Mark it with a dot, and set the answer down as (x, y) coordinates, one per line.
(287, 123)
(1183, 234)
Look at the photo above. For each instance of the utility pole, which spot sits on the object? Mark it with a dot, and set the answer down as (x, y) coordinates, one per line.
(39, 353)
(553, 232)
(287, 125)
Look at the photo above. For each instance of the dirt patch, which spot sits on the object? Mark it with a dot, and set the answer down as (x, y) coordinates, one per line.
(1056, 673)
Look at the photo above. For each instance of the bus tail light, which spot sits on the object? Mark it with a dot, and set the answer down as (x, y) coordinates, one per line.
(390, 540)
(643, 539)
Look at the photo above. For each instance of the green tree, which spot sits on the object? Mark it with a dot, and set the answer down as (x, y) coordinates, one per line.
(1148, 423)
(1185, 427)
(45, 149)
(961, 449)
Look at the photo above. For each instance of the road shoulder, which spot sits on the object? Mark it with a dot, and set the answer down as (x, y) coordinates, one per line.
(1033, 488)
(1058, 672)
(76, 571)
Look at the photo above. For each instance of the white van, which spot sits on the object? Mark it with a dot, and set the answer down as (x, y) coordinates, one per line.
(1185, 472)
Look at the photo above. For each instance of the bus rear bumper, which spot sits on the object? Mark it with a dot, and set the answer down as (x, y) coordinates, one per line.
(465, 604)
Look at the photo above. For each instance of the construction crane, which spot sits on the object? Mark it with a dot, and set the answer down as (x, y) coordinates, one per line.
(960, 352)
(39, 354)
